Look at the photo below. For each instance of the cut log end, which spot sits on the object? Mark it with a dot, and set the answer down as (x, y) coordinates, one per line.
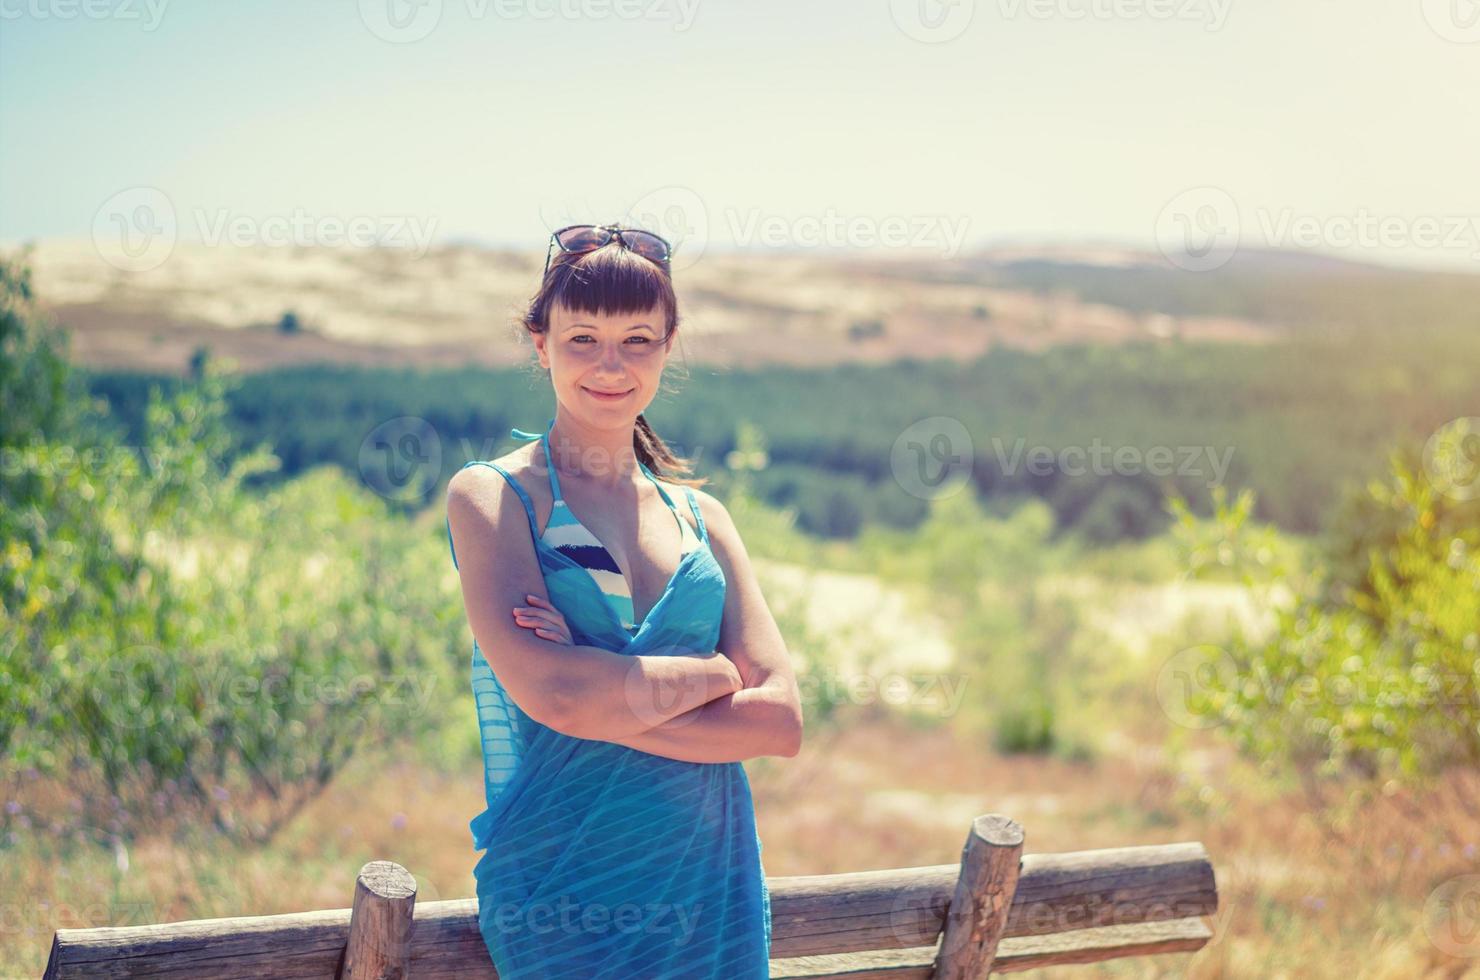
(379, 946)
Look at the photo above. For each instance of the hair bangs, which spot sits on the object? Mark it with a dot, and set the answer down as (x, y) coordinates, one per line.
(611, 280)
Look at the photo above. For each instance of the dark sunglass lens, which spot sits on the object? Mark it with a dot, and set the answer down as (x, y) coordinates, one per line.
(646, 244)
(583, 238)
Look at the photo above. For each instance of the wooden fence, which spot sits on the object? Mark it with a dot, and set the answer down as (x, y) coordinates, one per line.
(998, 911)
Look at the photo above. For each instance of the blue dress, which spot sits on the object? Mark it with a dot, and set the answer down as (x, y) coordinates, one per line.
(603, 861)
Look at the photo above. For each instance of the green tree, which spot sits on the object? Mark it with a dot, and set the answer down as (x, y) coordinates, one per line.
(1374, 674)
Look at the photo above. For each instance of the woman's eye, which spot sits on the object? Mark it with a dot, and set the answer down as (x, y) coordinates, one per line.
(579, 340)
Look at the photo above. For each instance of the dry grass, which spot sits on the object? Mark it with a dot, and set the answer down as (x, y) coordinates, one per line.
(459, 304)
(1300, 894)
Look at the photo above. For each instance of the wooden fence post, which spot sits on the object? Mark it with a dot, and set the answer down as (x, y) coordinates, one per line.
(990, 861)
(379, 946)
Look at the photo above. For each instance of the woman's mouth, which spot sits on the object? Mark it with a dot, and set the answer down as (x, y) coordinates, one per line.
(608, 396)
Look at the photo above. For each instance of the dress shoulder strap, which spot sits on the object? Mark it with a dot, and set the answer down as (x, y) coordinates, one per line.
(523, 498)
(544, 438)
(694, 504)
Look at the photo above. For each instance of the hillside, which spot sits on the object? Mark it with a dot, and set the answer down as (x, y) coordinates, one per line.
(458, 305)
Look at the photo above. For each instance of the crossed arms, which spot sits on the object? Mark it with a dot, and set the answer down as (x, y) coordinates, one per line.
(725, 706)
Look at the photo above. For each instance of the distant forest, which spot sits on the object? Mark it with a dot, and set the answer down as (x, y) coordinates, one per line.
(1373, 359)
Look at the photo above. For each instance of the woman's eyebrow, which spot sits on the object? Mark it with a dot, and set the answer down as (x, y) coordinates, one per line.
(592, 326)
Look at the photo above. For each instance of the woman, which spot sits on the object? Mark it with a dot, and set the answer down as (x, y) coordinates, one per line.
(618, 686)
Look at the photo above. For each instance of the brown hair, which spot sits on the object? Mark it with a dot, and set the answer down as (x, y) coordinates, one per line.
(614, 280)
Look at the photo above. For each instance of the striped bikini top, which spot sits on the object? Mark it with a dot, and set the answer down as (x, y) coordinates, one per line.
(566, 534)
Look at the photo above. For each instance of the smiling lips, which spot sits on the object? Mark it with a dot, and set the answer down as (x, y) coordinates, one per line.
(609, 395)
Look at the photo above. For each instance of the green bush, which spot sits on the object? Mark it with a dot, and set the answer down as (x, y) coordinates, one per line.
(172, 641)
(1376, 677)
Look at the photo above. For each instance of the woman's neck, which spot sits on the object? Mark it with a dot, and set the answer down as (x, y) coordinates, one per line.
(601, 457)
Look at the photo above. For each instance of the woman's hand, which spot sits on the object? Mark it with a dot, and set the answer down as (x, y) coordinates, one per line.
(544, 619)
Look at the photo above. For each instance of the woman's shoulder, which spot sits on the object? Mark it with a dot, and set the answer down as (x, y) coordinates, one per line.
(716, 517)
(476, 479)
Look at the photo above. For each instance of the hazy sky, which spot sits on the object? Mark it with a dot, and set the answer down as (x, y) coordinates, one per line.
(753, 123)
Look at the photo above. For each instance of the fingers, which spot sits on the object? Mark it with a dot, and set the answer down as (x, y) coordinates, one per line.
(525, 616)
(546, 622)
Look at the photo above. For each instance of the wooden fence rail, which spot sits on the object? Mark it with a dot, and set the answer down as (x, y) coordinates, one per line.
(998, 911)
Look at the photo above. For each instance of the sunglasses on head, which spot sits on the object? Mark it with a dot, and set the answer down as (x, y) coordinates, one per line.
(588, 238)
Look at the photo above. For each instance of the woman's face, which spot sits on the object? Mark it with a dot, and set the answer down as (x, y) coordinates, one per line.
(589, 355)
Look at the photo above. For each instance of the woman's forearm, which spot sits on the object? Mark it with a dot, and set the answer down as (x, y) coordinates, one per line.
(752, 722)
(612, 695)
